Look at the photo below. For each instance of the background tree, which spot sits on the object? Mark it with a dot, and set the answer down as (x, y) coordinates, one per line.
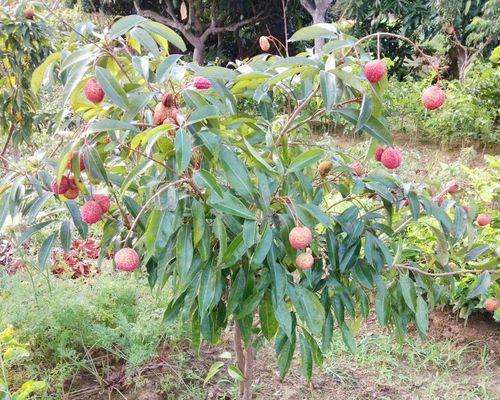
(318, 10)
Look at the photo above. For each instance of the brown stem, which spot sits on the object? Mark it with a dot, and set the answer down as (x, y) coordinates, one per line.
(7, 141)
(247, 385)
(240, 357)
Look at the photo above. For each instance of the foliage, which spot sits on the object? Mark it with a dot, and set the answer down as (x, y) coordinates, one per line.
(469, 114)
(11, 353)
(24, 44)
(209, 200)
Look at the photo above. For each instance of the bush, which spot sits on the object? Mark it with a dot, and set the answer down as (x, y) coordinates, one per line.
(469, 114)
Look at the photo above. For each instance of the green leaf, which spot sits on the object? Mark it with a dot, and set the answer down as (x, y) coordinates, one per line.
(236, 292)
(94, 164)
(408, 291)
(165, 32)
(349, 79)
(328, 88)
(198, 221)
(183, 151)
(414, 205)
(111, 87)
(202, 113)
(256, 156)
(233, 206)
(305, 159)
(236, 172)
(111, 125)
(33, 229)
(206, 180)
(348, 338)
(422, 317)
(216, 366)
(40, 72)
(482, 285)
(216, 72)
(77, 218)
(365, 111)
(322, 30)
(373, 126)
(314, 313)
(145, 40)
(305, 358)
(381, 305)
(45, 249)
(184, 250)
(285, 356)
(268, 322)
(235, 373)
(123, 25)
(165, 67)
(65, 235)
(263, 247)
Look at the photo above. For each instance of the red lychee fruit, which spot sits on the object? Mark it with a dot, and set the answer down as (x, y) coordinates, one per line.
(441, 199)
(127, 259)
(29, 12)
(160, 114)
(304, 261)
(62, 187)
(453, 187)
(300, 237)
(483, 219)
(406, 203)
(324, 167)
(358, 169)
(391, 158)
(375, 70)
(72, 193)
(80, 159)
(93, 91)
(201, 83)
(466, 209)
(103, 202)
(168, 100)
(491, 304)
(433, 97)
(91, 212)
(264, 43)
(378, 153)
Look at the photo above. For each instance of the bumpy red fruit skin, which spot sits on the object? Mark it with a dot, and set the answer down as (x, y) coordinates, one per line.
(103, 202)
(441, 199)
(391, 158)
(201, 83)
(358, 169)
(453, 187)
(375, 70)
(62, 187)
(304, 261)
(483, 219)
(378, 153)
(264, 43)
(168, 100)
(491, 304)
(160, 114)
(29, 13)
(300, 237)
(127, 259)
(433, 97)
(91, 212)
(93, 91)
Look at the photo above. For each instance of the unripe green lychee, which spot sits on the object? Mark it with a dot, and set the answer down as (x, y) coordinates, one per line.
(304, 261)
(93, 91)
(391, 158)
(483, 219)
(300, 237)
(91, 212)
(127, 259)
(375, 70)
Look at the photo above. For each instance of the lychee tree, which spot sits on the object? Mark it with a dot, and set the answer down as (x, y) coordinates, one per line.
(201, 179)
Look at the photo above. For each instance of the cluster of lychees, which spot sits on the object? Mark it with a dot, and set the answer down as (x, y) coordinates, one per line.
(300, 238)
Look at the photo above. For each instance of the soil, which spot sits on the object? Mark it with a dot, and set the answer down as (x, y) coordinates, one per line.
(356, 381)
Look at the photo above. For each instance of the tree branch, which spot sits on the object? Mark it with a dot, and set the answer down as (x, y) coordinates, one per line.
(309, 8)
(213, 30)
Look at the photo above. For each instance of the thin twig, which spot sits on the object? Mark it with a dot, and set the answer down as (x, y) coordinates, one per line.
(449, 273)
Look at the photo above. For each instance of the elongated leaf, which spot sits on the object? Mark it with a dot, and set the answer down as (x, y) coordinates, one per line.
(45, 250)
(373, 126)
(348, 338)
(206, 180)
(268, 321)
(483, 283)
(236, 172)
(111, 87)
(216, 366)
(365, 111)
(263, 246)
(322, 30)
(408, 291)
(40, 72)
(123, 25)
(146, 40)
(165, 32)
(183, 150)
(165, 67)
(233, 206)
(422, 317)
(305, 159)
(65, 235)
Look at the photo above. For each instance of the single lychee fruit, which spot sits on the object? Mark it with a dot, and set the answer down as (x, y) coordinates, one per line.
(29, 12)
(441, 199)
(358, 169)
(483, 219)
(491, 304)
(324, 167)
(72, 183)
(466, 209)
(91, 212)
(160, 114)
(453, 187)
(375, 70)
(168, 100)
(93, 91)
(304, 261)
(264, 43)
(62, 187)
(391, 158)
(406, 203)
(378, 153)
(72, 193)
(201, 83)
(103, 202)
(433, 97)
(300, 237)
(80, 160)
(127, 259)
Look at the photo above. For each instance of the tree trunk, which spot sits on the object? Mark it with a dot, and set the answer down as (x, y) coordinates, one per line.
(247, 392)
(319, 17)
(240, 358)
(199, 54)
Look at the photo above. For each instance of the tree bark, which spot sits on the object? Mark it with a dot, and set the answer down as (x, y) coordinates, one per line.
(247, 386)
(318, 18)
(199, 54)
(317, 9)
(240, 358)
